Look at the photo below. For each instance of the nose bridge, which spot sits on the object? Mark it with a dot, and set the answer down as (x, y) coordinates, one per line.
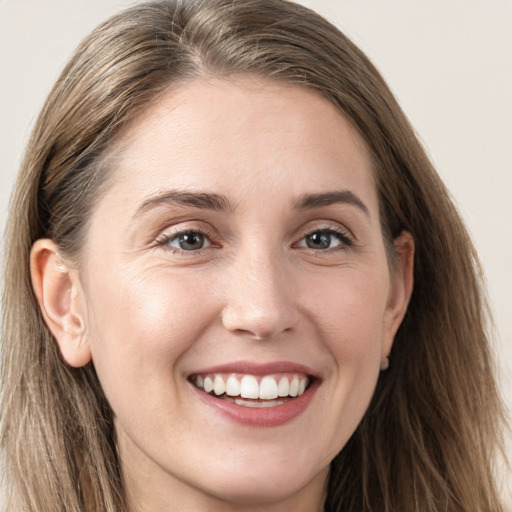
(259, 295)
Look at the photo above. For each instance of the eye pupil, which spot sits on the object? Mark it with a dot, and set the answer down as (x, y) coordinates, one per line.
(191, 241)
(318, 240)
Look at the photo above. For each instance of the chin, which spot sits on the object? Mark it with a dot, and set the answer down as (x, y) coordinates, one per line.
(259, 488)
(265, 480)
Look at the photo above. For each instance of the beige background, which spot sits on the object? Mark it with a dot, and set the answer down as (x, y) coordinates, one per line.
(448, 61)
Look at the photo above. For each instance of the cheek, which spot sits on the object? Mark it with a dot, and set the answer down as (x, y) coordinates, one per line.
(357, 339)
(351, 311)
(352, 331)
(140, 326)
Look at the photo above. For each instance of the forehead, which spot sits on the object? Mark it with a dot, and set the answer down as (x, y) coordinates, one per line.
(242, 133)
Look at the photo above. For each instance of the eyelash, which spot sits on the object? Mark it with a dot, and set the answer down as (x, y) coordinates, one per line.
(166, 238)
(345, 240)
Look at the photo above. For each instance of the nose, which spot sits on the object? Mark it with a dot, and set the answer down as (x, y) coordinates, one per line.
(260, 301)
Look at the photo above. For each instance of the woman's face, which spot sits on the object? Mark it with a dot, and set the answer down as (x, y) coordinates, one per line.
(238, 248)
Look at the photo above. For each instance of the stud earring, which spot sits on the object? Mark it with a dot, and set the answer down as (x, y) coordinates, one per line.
(384, 365)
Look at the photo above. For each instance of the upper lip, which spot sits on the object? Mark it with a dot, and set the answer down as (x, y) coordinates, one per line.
(259, 369)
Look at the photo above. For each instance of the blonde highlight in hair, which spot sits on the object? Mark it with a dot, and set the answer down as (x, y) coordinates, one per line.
(427, 441)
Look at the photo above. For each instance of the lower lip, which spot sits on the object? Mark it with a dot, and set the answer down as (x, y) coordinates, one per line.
(260, 417)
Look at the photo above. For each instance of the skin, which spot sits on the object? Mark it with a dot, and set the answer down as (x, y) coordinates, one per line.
(149, 314)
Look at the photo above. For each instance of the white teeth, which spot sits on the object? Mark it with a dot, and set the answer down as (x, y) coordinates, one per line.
(218, 385)
(249, 387)
(294, 386)
(268, 388)
(284, 387)
(232, 386)
(208, 384)
(258, 405)
(302, 386)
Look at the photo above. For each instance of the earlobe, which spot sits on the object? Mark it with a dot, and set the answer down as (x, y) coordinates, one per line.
(402, 281)
(57, 289)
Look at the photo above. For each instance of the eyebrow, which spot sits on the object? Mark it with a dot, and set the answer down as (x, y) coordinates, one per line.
(220, 203)
(201, 200)
(310, 201)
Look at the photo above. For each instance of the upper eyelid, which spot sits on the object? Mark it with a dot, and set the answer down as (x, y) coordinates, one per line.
(171, 232)
(329, 227)
(335, 229)
(187, 226)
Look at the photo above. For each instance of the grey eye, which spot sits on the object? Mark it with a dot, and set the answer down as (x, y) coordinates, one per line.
(189, 241)
(322, 240)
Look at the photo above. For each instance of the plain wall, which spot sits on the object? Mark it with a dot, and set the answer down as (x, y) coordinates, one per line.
(448, 61)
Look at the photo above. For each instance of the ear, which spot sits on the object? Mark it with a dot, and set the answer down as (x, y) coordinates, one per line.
(58, 292)
(402, 281)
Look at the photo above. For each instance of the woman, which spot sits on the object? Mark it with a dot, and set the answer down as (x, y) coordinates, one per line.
(235, 282)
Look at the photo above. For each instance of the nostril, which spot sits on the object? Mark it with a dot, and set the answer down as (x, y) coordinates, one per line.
(258, 323)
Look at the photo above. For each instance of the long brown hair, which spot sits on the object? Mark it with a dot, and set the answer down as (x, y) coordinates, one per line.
(428, 439)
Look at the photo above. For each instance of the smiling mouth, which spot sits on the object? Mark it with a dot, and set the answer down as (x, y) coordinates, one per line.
(252, 390)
